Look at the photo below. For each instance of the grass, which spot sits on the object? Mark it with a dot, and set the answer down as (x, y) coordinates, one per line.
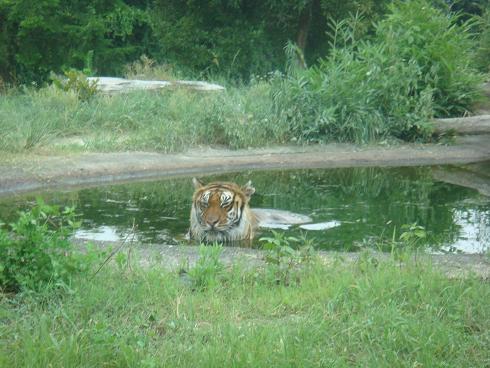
(365, 314)
(50, 119)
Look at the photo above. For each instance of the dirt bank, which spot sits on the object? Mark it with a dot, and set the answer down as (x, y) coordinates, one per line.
(172, 257)
(40, 173)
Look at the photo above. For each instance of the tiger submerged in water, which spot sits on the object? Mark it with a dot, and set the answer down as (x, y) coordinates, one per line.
(221, 212)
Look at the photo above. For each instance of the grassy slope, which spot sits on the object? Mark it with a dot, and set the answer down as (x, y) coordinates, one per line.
(357, 315)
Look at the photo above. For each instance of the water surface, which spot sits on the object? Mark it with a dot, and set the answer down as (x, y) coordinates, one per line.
(368, 206)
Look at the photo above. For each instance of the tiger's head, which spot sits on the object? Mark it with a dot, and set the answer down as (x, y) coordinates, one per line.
(220, 211)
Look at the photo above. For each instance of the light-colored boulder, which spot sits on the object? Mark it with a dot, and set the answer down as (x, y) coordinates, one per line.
(113, 85)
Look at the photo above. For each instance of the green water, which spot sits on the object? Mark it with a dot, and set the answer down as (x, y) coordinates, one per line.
(370, 204)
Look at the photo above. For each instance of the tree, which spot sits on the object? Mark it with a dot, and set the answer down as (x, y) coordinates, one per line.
(50, 35)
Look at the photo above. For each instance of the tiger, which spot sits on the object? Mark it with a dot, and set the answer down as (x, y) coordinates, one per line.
(220, 212)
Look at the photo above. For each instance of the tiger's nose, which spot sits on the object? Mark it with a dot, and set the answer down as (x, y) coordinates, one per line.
(212, 221)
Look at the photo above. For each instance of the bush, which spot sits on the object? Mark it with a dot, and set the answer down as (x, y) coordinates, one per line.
(35, 251)
(417, 65)
(416, 32)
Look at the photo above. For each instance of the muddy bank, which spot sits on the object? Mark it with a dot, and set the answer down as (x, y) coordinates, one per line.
(51, 172)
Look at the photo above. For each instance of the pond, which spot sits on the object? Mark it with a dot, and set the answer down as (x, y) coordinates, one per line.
(365, 207)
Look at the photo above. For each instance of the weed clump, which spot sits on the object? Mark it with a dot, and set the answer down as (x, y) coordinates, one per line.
(285, 254)
(76, 82)
(208, 269)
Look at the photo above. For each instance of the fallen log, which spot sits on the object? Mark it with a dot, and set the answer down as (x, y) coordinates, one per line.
(470, 125)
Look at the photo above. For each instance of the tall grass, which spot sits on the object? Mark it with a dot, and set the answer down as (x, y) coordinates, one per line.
(364, 315)
(165, 121)
(483, 50)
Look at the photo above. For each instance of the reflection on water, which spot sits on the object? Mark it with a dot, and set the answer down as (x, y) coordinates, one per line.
(104, 233)
(474, 236)
(350, 208)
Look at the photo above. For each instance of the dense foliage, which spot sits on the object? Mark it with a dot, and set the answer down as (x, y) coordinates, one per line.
(235, 38)
(416, 66)
(35, 251)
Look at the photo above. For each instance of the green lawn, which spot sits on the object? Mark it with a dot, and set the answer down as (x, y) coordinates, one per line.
(366, 314)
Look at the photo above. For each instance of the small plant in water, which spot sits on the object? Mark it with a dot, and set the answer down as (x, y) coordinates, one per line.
(408, 242)
(35, 250)
(413, 234)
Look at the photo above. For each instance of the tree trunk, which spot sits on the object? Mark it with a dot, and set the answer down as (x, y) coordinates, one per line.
(303, 30)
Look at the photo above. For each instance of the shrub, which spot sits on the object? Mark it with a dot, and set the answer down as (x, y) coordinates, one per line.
(35, 251)
(417, 65)
(355, 96)
(414, 31)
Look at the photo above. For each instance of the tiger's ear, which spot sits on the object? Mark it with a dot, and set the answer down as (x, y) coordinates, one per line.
(197, 183)
(248, 189)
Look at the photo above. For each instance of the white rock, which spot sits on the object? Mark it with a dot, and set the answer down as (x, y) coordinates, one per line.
(121, 85)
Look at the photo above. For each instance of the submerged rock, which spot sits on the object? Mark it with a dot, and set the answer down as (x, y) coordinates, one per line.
(279, 219)
(321, 225)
